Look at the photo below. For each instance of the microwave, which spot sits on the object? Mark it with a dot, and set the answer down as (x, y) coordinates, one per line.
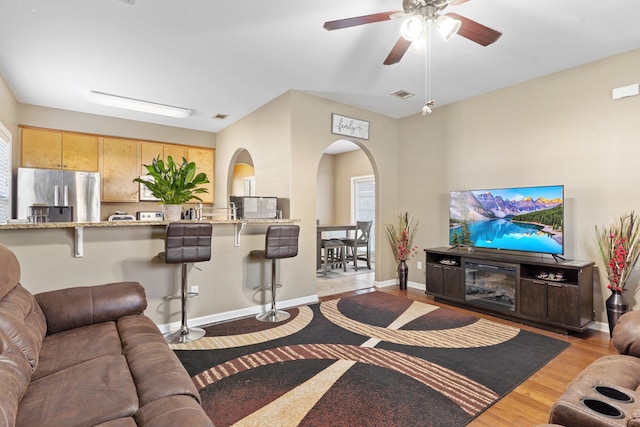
(255, 207)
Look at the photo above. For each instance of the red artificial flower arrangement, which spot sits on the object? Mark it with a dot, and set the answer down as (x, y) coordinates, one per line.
(619, 248)
(401, 238)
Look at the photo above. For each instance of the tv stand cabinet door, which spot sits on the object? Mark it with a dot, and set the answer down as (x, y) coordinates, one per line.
(435, 279)
(563, 304)
(532, 299)
(453, 286)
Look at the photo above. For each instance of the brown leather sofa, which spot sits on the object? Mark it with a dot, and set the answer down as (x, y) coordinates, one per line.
(607, 392)
(87, 356)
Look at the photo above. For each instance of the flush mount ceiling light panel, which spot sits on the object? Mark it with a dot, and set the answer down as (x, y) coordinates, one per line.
(137, 105)
(418, 14)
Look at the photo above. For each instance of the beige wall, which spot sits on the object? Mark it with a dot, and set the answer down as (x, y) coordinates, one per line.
(560, 129)
(241, 171)
(333, 191)
(325, 190)
(347, 165)
(310, 137)
(9, 112)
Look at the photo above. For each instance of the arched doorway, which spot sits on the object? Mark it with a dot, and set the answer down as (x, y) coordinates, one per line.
(345, 194)
(243, 175)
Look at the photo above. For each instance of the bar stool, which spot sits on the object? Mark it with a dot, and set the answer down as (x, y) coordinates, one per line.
(186, 243)
(281, 241)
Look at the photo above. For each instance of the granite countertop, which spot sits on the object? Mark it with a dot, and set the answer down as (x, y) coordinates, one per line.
(26, 226)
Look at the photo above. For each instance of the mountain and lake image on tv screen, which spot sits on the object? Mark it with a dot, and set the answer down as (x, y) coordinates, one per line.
(521, 219)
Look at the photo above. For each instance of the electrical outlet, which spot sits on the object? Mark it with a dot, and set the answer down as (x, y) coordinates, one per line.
(194, 289)
(419, 265)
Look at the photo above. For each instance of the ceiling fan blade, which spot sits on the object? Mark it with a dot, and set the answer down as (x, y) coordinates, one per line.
(360, 20)
(457, 2)
(475, 31)
(398, 51)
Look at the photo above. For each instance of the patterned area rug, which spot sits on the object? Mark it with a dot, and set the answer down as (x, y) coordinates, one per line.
(367, 360)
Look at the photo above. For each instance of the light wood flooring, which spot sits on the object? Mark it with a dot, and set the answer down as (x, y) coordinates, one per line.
(528, 404)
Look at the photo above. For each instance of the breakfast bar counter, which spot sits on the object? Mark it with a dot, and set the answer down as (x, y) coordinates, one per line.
(57, 255)
(26, 225)
(79, 227)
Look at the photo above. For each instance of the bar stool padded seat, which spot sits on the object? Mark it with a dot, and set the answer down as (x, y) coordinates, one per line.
(186, 243)
(281, 241)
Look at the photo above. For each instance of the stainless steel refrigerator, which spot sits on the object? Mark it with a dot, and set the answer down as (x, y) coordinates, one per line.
(59, 188)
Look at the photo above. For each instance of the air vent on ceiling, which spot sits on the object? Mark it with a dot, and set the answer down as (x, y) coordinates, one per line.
(402, 94)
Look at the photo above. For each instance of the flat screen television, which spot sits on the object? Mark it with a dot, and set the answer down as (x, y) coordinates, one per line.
(527, 219)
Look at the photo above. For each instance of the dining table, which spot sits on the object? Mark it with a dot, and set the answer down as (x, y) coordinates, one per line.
(326, 228)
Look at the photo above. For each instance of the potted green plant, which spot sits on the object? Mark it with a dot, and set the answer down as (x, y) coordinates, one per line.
(173, 184)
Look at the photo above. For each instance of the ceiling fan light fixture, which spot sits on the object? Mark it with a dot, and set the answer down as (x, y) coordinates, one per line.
(413, 28)
(419, 45)
(447, 26)
(137, 105)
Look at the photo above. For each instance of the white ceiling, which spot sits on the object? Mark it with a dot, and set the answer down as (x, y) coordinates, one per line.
(231, 57)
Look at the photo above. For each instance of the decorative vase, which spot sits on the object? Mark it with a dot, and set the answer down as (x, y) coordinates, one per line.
(172, 212)
(616, 307)
(403, 274)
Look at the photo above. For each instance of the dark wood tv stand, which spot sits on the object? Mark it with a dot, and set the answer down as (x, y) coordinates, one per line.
(535, 289)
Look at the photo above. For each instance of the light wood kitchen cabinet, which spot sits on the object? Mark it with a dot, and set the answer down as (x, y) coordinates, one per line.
(151, 150)
(44, 148)
(205, 160)
(119, 161)
(41, 148)
(79, 152)
(50, 149)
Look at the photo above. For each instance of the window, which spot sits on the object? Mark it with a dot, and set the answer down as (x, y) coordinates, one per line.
(5, 174)
(363, 204)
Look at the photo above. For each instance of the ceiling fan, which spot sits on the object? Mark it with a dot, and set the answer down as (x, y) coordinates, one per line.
(423, 12)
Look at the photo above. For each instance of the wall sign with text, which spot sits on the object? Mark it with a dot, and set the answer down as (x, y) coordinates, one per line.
(341, 125)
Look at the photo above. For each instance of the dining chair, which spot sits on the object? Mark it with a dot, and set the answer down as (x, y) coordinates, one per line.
(360, 240)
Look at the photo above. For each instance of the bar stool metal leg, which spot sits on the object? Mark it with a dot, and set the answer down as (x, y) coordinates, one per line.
(184, 334)
(273, 315)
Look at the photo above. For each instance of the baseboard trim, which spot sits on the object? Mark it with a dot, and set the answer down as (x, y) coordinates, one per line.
(238, 314)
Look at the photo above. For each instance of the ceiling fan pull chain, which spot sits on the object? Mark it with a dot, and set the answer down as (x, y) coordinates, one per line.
(428, 102)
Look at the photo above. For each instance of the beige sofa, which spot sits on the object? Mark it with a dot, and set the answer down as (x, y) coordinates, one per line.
(87, 356)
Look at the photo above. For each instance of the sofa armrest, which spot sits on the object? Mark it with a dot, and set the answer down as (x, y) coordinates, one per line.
(80, 306)
(626, 334)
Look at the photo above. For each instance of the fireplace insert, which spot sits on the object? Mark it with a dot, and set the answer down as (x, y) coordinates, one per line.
(490, 285)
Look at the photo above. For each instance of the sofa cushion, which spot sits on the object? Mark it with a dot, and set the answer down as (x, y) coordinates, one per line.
(15, 372)
(158, 373)
(69, 348)
(22, 321)
(86, 394)
(173, 411)
(84, 305)
(626, 334)
(136, 330)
